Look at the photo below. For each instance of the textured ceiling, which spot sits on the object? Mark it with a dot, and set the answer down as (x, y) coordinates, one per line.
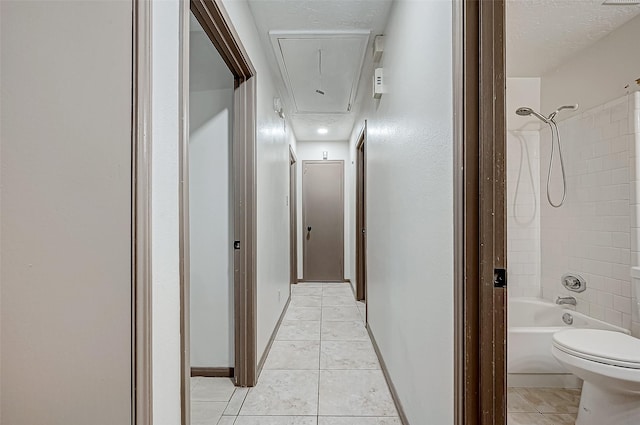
(324, 15)
(541, 34)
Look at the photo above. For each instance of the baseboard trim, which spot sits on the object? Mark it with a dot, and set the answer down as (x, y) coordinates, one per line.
(213, 372)
(263, 358)
(387, 377)
(323, 281)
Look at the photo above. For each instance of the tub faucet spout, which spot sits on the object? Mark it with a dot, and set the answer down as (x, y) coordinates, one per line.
(566, 300)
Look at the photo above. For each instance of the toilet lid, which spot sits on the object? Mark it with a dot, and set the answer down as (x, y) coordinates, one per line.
(608, 347)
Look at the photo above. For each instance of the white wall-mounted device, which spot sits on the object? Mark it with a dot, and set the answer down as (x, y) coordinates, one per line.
(378, 83)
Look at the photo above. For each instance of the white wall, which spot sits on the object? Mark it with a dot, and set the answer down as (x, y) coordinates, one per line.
(274, 137)
(211, 223)
(66, 212)
(338, 150)
(597, 74)
(523, 189)
(165, 231)
(410, 210)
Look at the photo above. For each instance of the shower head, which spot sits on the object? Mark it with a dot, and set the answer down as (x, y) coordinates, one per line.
(525, 111)
(571, 107)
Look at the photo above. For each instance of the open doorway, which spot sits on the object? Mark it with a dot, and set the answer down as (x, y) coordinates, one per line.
(293, 216)
(211, 198)
(217, 203)
(361, 216)
(570, 160)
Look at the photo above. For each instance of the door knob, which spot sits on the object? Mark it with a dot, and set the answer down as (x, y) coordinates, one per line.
(308, 228)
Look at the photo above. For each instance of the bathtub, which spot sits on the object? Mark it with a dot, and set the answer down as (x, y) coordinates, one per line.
(531, 323)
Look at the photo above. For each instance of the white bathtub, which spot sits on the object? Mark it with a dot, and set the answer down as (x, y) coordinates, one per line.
(531, 325)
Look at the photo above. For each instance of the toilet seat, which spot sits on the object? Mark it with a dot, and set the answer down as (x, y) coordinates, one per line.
(606, 347)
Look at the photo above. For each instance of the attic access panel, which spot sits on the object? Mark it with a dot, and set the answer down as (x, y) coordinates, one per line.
(313, 63)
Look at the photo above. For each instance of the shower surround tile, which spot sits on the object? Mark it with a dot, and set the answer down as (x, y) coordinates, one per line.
(594, 234)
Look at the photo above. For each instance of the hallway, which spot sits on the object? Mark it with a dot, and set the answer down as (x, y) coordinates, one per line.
(321, 370)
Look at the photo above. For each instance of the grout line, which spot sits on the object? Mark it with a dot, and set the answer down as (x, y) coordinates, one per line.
(320, 355)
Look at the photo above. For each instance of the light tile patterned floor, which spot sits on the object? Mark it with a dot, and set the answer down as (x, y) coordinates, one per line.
(542, 406)
(321, 370)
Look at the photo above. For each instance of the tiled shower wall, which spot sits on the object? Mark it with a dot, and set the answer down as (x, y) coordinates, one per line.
(591, 234)
(634, 165)
(523, 189)
(523, 213)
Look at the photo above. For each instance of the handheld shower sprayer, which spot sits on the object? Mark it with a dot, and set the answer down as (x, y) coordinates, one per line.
(570, 107)
(525, 111)
(550, 121)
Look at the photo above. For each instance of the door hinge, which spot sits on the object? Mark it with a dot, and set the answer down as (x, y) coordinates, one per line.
(236, 245)
(499, 278)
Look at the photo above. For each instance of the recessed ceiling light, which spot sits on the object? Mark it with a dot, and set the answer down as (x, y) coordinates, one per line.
(621, 2)
(322, 130)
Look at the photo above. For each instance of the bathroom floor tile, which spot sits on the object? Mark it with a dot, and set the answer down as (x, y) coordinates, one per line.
(354, 393)
(227, 420)
(283, 392)
(517, 404)
(348, 355)
(276, 420)
(344, 331)
(293, 355)
(540, 419)
(564, 419)
(525, 419)
(299, 330)
(341, 313)
(303, 313)
(206, 412)
(211, 389)
(352, 420)
(551, 400)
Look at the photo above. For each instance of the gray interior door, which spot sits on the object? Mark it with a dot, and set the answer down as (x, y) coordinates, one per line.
(66, 224)
(323, 220)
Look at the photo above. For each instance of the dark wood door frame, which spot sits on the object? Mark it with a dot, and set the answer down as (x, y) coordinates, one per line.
(216, 23)
(480, 222)
(361, 215)
(293, 216)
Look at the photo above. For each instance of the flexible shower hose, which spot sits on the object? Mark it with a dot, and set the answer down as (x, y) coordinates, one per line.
(564, 178)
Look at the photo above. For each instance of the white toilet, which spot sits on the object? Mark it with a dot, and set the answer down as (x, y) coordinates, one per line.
(609, 364)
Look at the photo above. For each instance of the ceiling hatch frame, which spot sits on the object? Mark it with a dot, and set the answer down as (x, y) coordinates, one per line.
(362, 35)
